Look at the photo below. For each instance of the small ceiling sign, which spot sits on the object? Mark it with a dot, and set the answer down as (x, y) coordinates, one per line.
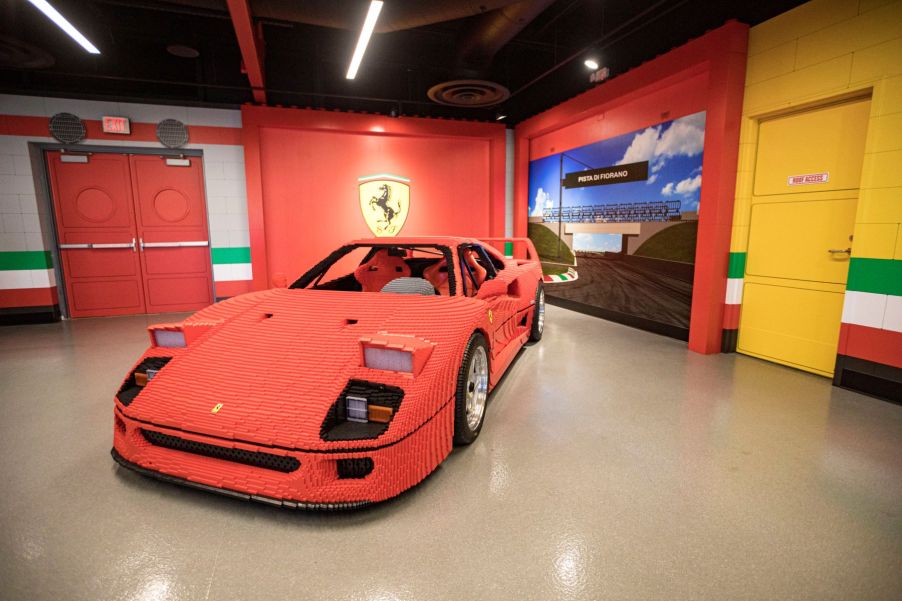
(116, 125)
(810, 178)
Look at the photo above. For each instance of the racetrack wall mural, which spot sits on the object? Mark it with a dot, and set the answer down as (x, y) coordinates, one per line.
(615, 223)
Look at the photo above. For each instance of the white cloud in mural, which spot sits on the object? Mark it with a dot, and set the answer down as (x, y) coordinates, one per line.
(652, 179)
(684, 137)
(597, 242)
(683, 187)
(681, 139)
(689, 185)
(543, 201)
(642, 148)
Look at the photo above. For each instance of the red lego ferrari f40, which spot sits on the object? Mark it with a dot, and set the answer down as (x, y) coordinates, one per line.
(343, 389)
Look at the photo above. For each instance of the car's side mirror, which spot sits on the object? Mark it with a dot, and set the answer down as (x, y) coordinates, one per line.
(279, 280)
(492, 288)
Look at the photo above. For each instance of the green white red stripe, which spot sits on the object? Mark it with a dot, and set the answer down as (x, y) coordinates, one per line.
(561, 277)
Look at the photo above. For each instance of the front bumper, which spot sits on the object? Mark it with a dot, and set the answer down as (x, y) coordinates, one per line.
(314, 485)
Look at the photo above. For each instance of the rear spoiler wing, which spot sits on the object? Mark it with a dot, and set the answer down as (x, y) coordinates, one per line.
(514, 248)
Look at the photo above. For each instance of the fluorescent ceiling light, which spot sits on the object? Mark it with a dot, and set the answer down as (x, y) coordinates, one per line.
(591, 63)
(368, 25)
(62, 23)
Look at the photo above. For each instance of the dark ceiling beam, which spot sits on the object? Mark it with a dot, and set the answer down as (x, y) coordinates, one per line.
(251, 47)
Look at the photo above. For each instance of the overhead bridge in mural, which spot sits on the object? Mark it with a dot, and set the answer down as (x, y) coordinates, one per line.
(662, 210)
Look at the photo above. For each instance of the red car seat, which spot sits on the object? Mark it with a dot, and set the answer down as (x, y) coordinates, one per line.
(380, 270)
(437, 275)
(479, 272)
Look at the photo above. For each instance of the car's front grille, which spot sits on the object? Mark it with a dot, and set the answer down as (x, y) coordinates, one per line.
(270, 461)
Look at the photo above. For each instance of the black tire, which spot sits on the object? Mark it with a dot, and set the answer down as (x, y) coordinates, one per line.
(537, 328)
(465, 431)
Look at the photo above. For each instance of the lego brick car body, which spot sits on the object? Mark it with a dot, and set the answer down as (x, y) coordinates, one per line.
(346, 388)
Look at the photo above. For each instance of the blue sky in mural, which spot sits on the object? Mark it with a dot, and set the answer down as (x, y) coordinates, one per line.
(673, 150)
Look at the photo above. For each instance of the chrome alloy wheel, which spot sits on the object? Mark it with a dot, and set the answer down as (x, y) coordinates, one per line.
(477, 387)
(540, 310)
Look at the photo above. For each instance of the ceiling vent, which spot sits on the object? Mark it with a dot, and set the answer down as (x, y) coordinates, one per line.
(473, 93)
(172, 133)
(67, 128)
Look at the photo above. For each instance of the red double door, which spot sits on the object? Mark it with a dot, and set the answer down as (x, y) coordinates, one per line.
(132, 233)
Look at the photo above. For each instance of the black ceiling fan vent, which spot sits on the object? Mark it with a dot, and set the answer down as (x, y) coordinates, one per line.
(474, 93)
(172, 133)
(67, 128)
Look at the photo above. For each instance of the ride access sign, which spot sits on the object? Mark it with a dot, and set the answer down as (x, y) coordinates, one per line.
(616, 174)
(808, 179)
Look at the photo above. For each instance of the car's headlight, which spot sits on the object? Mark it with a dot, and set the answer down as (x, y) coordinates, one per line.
(387, 359)
(394, 352)
(362, 411)
(167, 335)
(143, 373)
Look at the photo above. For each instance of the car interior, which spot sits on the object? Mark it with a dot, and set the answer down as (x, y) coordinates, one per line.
(402, 270)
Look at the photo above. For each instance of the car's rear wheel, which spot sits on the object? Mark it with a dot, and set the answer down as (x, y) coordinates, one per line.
(472, 391)
(538, 316)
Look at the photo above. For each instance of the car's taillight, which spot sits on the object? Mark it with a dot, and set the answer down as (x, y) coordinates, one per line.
(387, 359)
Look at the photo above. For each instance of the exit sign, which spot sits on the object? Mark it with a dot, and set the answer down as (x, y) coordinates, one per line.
(116, 125)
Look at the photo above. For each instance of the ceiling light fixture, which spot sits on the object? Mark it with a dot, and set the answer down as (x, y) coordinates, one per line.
(591, 63)
(368, 25)
(61, 22)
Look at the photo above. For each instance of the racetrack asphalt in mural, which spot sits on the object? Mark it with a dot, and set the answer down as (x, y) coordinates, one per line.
(612, 284)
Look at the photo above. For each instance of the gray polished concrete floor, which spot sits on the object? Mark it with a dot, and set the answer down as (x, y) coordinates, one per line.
(613, 465)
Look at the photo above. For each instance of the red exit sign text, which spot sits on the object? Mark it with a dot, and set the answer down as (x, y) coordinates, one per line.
(116, 125)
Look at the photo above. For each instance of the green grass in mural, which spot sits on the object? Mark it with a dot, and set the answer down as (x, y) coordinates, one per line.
(546, 243)
(676, 243)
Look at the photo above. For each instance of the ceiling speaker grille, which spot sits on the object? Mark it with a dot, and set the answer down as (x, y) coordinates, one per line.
(172, 133)
(67, 128)
(473, 93)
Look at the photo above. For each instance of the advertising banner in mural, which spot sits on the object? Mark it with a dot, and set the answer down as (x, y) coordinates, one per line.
(616, 222)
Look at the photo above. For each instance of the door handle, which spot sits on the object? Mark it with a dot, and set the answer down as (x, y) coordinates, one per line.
(98, 246)
(839, 251)
(186, 244)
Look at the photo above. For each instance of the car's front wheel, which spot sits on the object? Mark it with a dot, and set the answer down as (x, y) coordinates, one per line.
(472, 391)
(538, 316)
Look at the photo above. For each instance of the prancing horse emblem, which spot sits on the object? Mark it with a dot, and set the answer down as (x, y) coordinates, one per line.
(384, 203)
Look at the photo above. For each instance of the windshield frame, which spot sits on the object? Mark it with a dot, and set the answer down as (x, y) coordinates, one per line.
(315, 273)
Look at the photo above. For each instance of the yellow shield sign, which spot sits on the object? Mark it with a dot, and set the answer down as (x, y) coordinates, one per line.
(384, 203)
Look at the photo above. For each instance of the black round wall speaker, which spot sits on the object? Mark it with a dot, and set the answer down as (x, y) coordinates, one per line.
(172, 133)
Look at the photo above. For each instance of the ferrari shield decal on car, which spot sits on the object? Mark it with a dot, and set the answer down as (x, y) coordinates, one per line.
(384, 202)
(216, 408)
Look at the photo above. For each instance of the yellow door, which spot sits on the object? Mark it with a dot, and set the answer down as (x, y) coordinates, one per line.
(800, 234)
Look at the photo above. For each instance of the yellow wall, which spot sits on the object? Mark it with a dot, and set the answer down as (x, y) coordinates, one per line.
(822, 50)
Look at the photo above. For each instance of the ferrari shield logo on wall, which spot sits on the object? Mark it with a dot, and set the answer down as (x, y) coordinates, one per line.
(384, 201)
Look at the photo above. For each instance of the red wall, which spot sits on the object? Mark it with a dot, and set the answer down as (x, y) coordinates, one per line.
(706, 74)
(302, 169)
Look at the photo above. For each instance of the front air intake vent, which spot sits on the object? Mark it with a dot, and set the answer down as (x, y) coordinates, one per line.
(269, 461)
(172, 133)
(354, 469)
(67, 128)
